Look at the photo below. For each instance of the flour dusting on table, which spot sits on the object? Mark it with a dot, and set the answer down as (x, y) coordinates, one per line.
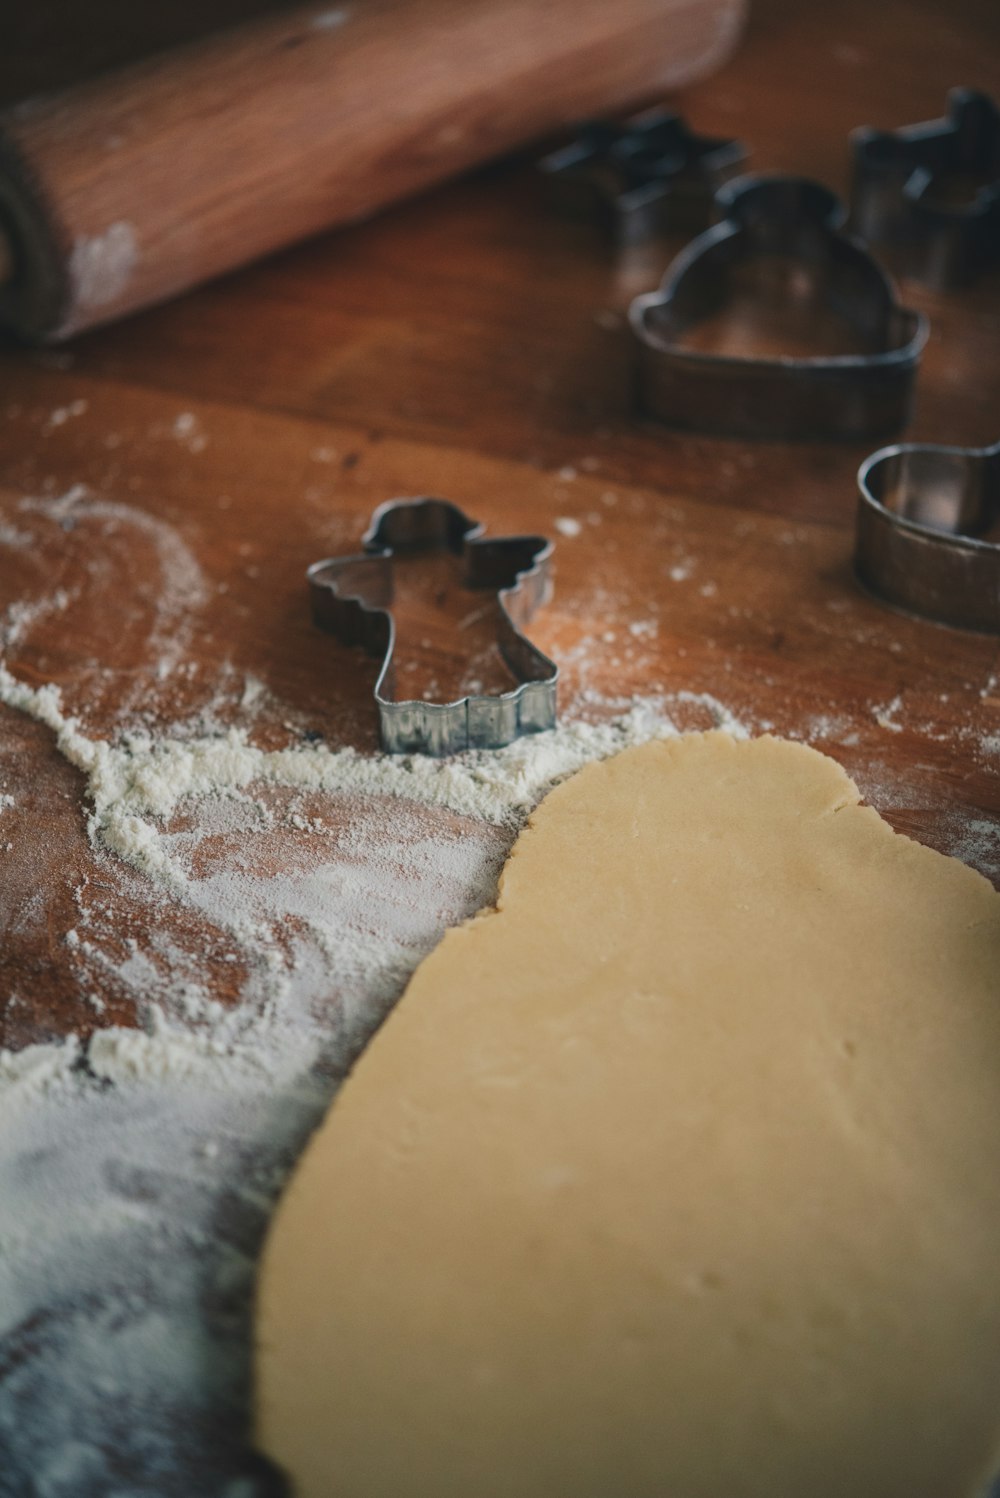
(139, 1167)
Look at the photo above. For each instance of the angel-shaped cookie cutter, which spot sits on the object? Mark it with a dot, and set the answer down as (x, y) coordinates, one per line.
(929, 194)
(352, 597)
(785, 228)
(928, 532)
(650, 175)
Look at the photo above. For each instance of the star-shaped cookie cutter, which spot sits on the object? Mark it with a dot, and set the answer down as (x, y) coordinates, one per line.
(788, 226)
(928, 532)
(650, 175)
(352, 597)
(930, 193)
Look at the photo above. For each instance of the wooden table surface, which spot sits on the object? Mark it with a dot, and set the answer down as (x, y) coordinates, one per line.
(470, 344)
(164, 484)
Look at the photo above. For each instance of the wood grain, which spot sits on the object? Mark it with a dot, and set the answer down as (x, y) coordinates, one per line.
(126, 189)
(468, 344)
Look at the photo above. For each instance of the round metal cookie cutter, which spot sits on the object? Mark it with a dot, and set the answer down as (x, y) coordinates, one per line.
(928, 532)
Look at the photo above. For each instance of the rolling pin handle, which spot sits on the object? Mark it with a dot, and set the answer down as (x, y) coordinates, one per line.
(128, 188)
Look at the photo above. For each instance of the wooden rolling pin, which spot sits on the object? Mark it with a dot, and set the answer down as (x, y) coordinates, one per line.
(120, 192)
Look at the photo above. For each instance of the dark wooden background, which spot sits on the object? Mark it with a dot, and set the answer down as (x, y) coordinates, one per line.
(470, 344)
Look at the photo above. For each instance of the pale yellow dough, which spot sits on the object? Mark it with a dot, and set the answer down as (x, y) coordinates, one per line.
(678, 1176)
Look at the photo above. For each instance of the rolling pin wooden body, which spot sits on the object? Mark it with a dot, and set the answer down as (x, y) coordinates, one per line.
(128, 189)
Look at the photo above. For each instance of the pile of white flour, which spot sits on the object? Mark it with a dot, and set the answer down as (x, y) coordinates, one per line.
(138, 1170)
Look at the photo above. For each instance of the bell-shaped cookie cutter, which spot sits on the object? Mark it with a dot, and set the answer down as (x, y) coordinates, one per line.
(928, 532)
(795, 224)
(929, 194)
(352, 597)
(650, 175)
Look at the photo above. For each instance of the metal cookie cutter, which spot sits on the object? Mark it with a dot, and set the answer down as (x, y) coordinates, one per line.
(930, 194)
(352, 597)
(928, 532)
(784, 231)
(648, 176)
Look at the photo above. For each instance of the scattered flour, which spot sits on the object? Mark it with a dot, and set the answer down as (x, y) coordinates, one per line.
(19, 618)
(138, 1169)
(567, 525)
(887, 716)
(62, 414)
(101, 265)
(143, 778)
(976, 841)
(14, 538)
(187, 430)
(176, 601)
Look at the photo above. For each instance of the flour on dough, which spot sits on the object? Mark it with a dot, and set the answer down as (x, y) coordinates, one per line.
(675, 1175)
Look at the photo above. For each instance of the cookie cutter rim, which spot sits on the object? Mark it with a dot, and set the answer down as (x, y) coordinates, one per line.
(660, 200)
(516, 568)
(943, 575)
(943, 245)
(838, 396)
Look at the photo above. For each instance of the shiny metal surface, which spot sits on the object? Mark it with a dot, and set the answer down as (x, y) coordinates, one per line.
(352, 598)
(928, 532)
(651, 175)
(784, 232)
(928, 195)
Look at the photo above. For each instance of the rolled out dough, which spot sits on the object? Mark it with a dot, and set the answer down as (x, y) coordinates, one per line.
(678, 1175)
